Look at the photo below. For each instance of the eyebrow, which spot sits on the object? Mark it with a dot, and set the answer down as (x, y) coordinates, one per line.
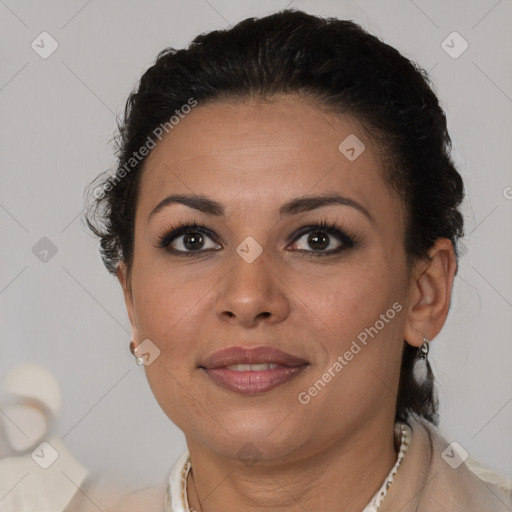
(293, 207)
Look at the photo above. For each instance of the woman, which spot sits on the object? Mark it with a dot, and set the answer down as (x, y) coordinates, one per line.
(283, 222)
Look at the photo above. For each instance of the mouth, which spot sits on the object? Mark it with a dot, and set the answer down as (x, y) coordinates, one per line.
(252, 371)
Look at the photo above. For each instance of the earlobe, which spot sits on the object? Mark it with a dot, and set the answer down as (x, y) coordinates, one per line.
(430, 293)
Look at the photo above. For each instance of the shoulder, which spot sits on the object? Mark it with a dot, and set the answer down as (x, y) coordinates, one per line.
(489, 475)
(459, 481)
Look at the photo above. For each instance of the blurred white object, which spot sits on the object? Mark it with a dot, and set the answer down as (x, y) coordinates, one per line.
(33, 381)
(25, 426)
(46, 476)
(45, 481)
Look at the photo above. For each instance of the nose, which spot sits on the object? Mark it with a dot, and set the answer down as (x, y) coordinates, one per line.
(252, 293)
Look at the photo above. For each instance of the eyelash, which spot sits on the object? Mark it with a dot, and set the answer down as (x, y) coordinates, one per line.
(348, 241)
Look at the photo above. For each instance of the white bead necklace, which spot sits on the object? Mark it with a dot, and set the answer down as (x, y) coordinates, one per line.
(376, 501)
(176, 499)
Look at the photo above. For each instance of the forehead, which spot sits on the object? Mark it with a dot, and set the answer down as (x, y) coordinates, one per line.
(267, 151)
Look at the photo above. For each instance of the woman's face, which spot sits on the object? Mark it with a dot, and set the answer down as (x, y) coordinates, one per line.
(262, 275)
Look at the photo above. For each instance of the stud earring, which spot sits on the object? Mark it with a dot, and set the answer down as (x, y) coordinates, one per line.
(133, 349)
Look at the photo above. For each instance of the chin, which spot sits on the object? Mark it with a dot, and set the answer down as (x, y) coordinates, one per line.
(249, 437)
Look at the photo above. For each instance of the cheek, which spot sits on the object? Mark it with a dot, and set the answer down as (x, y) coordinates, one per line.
(359, 314)
(170, 312)
(171, 308)
(166, 298)
(351, 297)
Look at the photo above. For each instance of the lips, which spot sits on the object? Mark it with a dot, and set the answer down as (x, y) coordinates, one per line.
(251, 371)
(258, 355)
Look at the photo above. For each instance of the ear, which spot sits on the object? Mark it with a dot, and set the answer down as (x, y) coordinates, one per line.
(430, 293)
(125, 280)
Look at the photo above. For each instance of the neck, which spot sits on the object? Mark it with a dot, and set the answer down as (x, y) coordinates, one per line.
(343, 477)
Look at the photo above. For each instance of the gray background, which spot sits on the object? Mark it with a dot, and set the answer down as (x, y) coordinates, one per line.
(57, 118)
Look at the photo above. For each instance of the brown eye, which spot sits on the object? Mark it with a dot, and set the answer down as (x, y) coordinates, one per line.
(187, 240)
(192, 241)
(317, 241)
(322, 240)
